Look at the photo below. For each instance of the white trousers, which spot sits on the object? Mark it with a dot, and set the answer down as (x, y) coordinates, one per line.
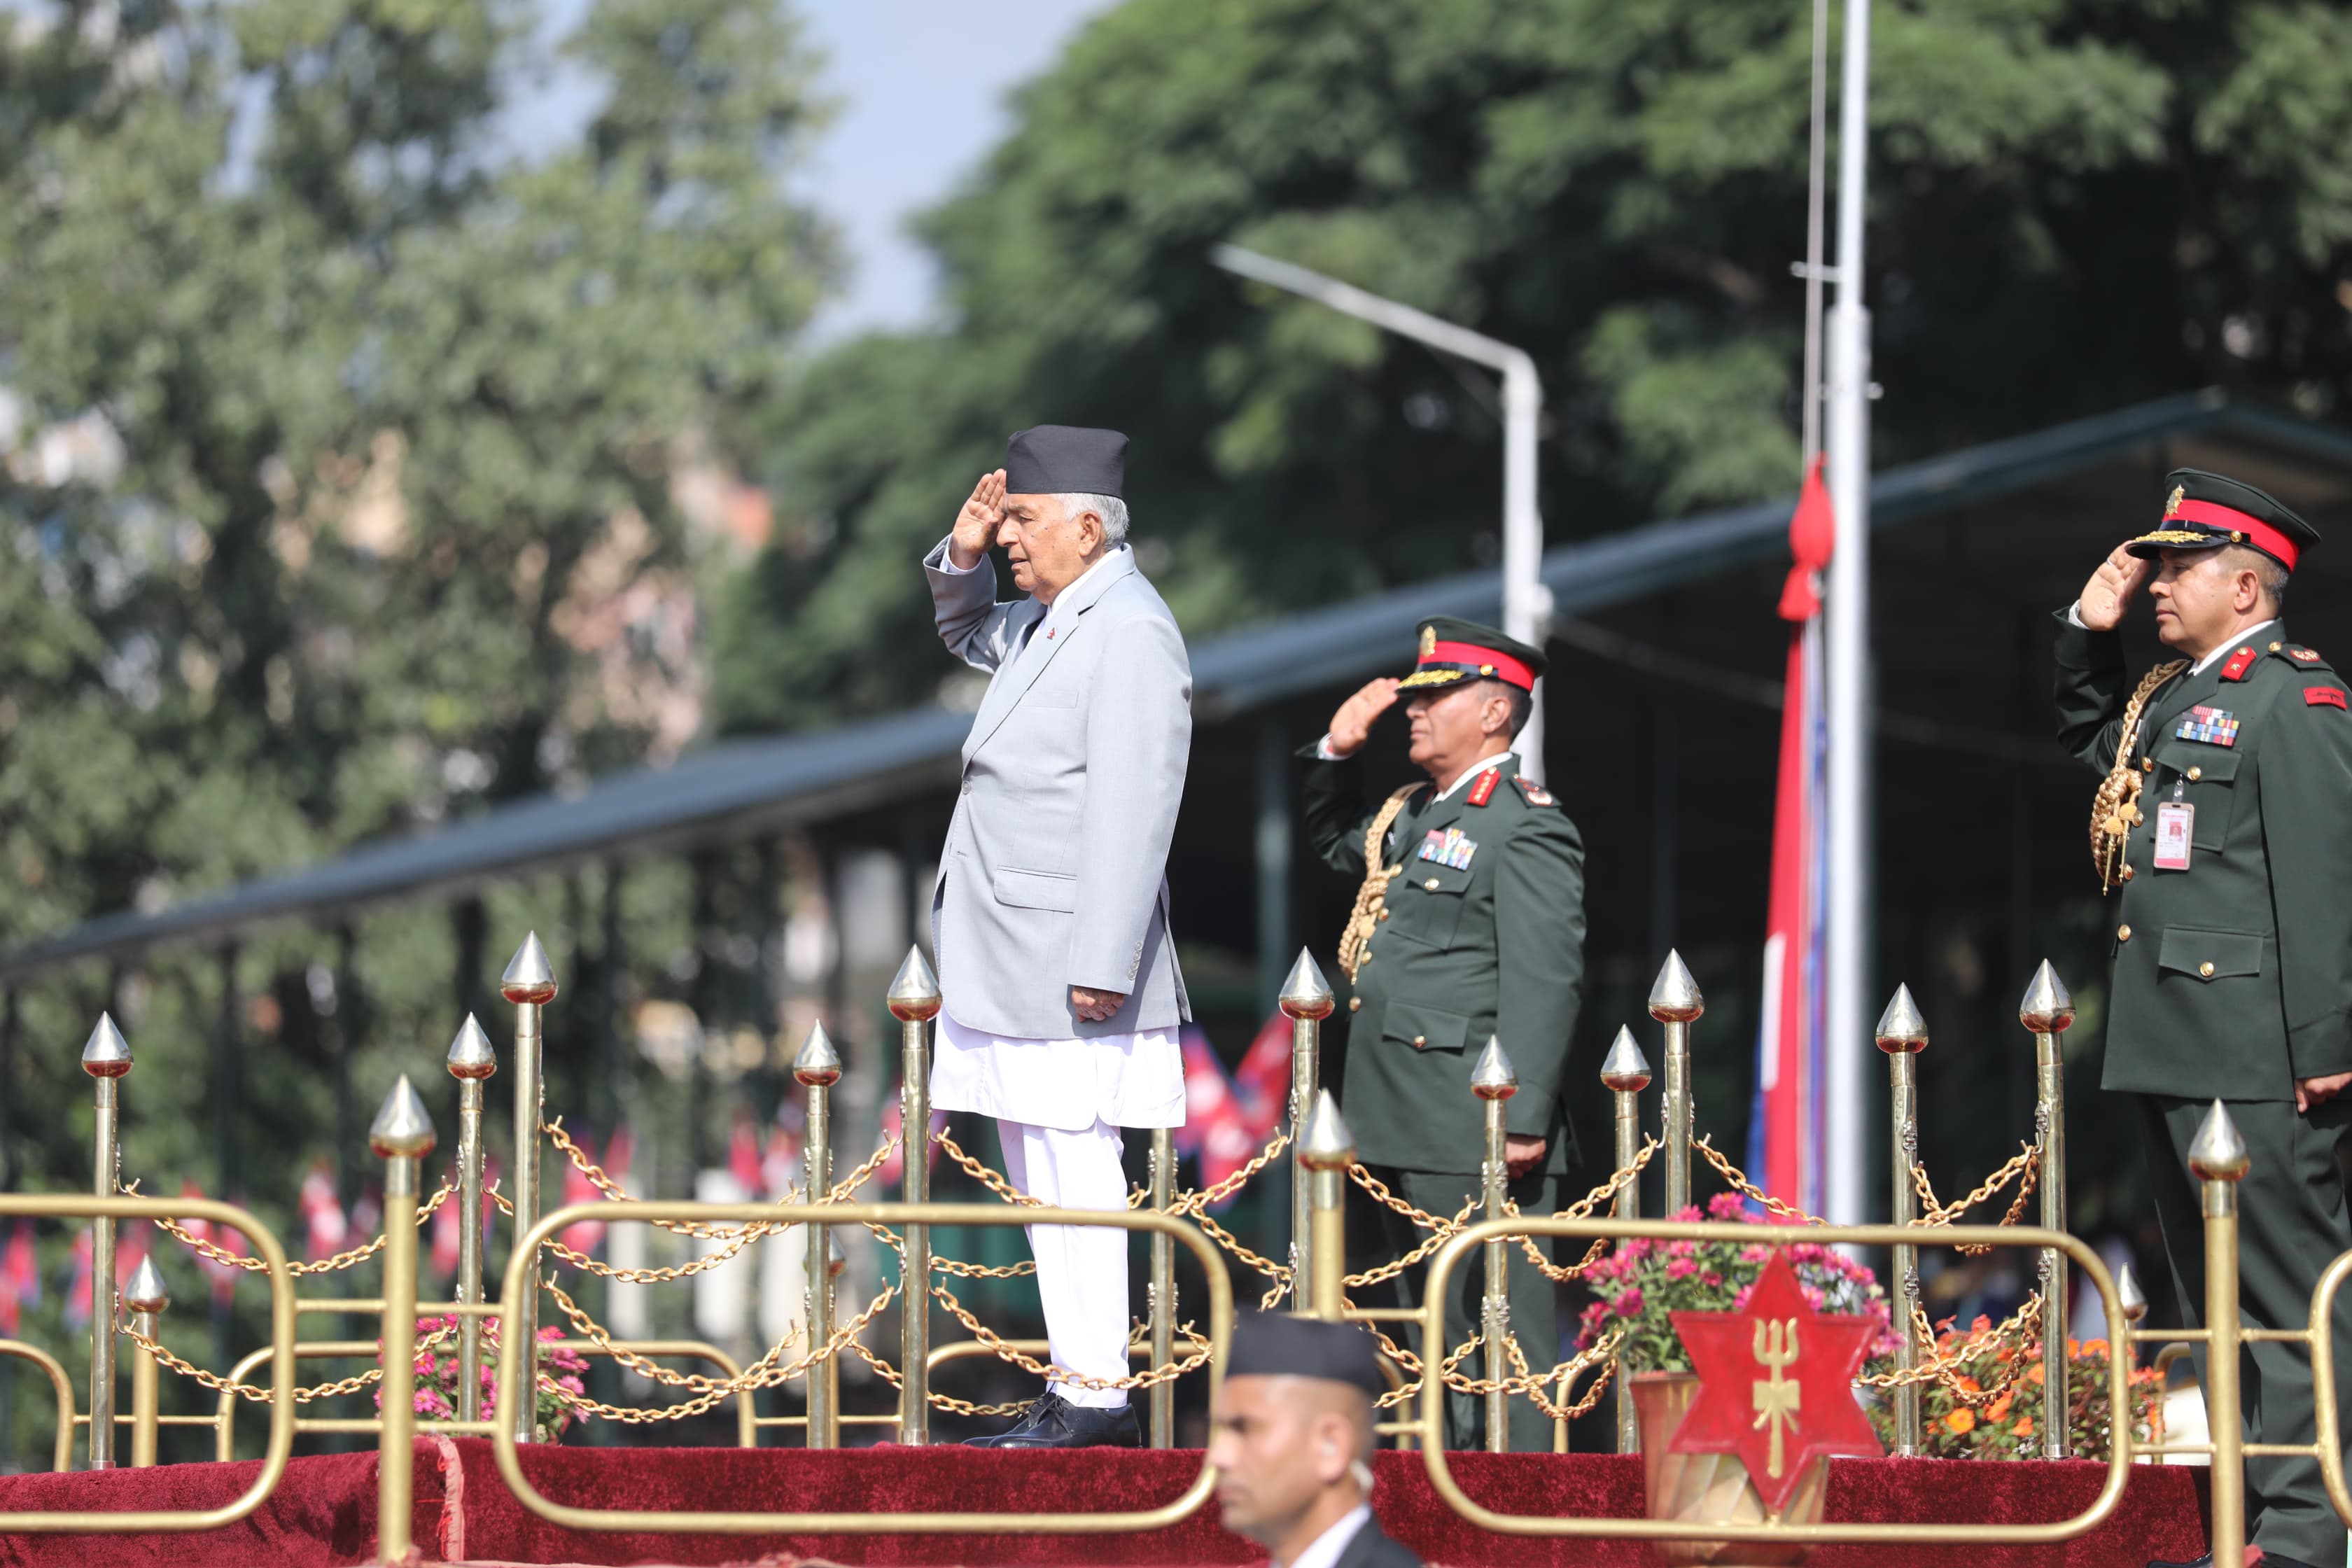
(1081, 1269)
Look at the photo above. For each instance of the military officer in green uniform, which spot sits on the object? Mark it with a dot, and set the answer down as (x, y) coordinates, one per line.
(2223, 833)
(1469, 925)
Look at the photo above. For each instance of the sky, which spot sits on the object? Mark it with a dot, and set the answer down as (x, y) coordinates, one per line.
(920, 88)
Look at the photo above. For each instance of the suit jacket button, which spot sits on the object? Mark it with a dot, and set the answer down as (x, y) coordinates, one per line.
(1355, 1003)
(1431, 884)
(2122, 934)
(2206, 969)
(1420, 1040)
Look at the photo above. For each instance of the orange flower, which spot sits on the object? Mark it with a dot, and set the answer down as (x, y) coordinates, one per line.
(1969, 1383)
(2024, 1427)
(1998, 1409)
(2033, 1375)
(1961, 1421)
(2094, 1347)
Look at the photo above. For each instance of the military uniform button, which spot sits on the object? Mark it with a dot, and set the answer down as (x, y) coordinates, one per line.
(2122, 934)
(2148, 765)
(2206, 969)
(1420, 1040)
(2276, 647)
(1355, 1003)
(2196, 773)
(1384, 914)
(1431, 884)
(2128, 873)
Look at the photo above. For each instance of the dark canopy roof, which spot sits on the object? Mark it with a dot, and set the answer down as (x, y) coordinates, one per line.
(736, 787)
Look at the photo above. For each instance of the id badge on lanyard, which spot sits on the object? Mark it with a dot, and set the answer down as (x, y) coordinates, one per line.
(2176, 825)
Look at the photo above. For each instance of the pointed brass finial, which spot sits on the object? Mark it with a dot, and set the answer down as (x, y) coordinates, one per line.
(1674, 999)
(146, 1292)
(2048, 1008)
(401, 1126)
(106, 1054)
(470, 1055)
(1305, 992)
(2217, 1153)
(818, 1065)
(2127, 1292)
(914, 990)
(1494, 1077)
(1625, 1070)
(1901, 1030)
(1328, 1145)
(528, 976)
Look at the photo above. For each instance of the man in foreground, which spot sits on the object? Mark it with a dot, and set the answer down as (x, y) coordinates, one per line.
(1292, 1441)
(1469, 923)
(1050, 915)
(2224, 832)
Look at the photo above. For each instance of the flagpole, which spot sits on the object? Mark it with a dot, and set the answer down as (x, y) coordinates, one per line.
(1846, 1129)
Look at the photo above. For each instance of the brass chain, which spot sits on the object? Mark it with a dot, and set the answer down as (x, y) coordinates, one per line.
(219, 1384)
(1447, 1231)
(1737, 1180)
(1194, 1202)
(1029, 1363)
(979, 1172)
(2027, 1162)
(346, 1258)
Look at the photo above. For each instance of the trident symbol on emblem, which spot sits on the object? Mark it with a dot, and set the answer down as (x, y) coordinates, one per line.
(1776, 1400)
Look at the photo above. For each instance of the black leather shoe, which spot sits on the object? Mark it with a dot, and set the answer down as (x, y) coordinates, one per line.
(1053, 1422)
(2269, 1560)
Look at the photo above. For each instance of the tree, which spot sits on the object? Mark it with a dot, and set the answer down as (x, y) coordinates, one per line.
(2075, 203)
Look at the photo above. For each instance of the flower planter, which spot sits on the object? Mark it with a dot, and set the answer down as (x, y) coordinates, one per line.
(1710, 1489)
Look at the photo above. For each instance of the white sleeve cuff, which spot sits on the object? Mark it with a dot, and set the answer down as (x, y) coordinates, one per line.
(2074, 614)
(1323, 750)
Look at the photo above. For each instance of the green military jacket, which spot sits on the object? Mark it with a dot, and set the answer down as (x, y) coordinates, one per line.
(2233, 977)
(1485, 936)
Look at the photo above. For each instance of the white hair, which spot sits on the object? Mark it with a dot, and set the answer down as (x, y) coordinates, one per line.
(1110, 509)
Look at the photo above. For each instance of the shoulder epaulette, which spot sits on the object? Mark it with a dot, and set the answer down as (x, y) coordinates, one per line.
(1537, 795)
(2300, 657)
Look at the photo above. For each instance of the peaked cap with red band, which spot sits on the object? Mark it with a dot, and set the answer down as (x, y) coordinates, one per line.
(2202, 510)
(1454, 651)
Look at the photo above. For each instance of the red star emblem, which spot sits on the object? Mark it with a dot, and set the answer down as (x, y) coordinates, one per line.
(1776, 1383)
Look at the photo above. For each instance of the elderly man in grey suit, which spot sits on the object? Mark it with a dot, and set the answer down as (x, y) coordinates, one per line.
(1050, 915)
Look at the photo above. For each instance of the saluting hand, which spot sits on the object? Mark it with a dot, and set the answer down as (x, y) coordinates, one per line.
(2110, 589)
(976, 524)
(1351, 726)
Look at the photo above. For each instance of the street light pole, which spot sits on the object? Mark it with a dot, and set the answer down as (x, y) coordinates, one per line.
(1527, 603)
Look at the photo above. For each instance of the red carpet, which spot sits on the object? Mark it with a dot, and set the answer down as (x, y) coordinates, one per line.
(323, 1516)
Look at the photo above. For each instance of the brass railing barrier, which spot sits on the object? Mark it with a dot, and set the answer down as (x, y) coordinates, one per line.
(1902, 1034)
(2048, 1010)
(106, 1057)
(1306, 1001)
(273, 1266)
(403, 1135)
(1327, 1150)
(1675, 1002)
(914, 1001)
(1160, 1292)
(472, 1062)
(818, 1068)
(147, 1299)
(61, 1386)
(1430, 1425)
(1493, 1082)
(1626, 1073)
(519, 1284)
(528, 983)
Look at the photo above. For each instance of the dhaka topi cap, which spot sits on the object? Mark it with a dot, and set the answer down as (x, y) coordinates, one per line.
(2202, 510)
(1275, 1344)
(1066, 459)
(1453, 651)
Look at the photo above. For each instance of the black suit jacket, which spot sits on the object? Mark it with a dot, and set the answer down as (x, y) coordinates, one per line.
(1372, 1549)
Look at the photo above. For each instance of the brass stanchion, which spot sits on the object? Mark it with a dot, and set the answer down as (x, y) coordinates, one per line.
(530, 983)
(106, 1057)
(146, 1298)
(2134, 1301)
(1493, 1081)
(1626, 1072)
(1327, 1151)
(1903, 1034)
(914, 1001)
(1160, 1294)
(2217, 1157)
(1306, 1001)
(2047, 1010)
(402, 1134)
(1675, 1000)
(818, 1069)
(471, 1063)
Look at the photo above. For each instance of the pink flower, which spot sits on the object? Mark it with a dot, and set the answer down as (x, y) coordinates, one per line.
(1711, 1279)
(1681, 1269)
(1628, 1305)
(1727, 1205)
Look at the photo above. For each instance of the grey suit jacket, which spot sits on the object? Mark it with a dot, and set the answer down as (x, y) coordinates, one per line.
(1053, 873)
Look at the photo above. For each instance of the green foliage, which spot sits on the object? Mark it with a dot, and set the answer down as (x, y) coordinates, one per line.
(2075, 203)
